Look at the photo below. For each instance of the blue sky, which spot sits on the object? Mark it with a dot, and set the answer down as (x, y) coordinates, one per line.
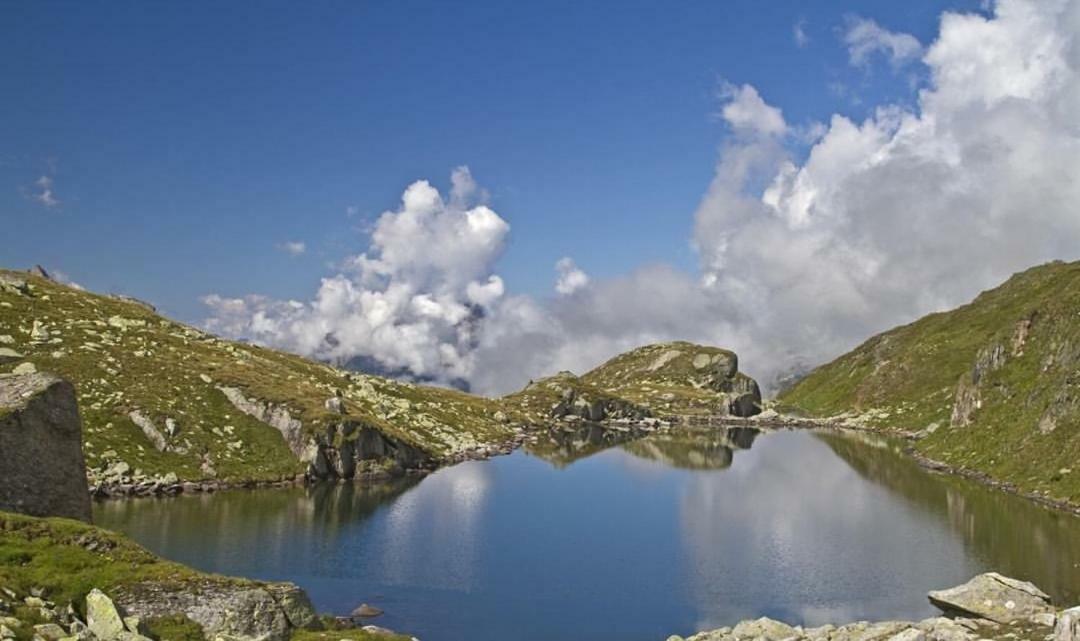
(186, 142)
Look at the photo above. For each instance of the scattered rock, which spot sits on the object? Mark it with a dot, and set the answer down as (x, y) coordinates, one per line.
(8, 355)
(366, 611)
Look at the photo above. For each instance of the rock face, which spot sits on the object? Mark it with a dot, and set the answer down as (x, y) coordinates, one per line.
(1068, 625)
(41, 448)
(332, 452)
(255, 612)
(994, 597)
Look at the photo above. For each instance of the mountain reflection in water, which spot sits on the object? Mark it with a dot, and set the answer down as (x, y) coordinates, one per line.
(601, 533)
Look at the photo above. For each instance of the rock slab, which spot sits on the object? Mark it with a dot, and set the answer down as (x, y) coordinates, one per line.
(993, 596)
(42, 470)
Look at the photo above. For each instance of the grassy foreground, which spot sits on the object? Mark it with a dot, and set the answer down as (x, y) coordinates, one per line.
(991, 387)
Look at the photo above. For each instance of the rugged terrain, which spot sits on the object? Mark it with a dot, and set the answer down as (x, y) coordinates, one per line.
(662, 381)
(991, 388)
(163, 402)
(168, 407)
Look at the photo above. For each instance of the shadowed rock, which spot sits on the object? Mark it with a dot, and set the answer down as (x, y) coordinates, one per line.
(994, 597)
(42, 471)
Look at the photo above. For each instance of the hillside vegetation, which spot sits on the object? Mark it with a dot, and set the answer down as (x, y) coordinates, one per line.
(166, 401)
(661, 380)
(992, 387)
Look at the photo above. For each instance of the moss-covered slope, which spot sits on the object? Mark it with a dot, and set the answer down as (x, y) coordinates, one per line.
(993, 386)
(153, 394)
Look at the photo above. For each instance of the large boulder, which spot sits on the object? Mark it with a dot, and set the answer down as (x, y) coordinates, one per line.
(993, 596)
(41, 454)
(252, 612)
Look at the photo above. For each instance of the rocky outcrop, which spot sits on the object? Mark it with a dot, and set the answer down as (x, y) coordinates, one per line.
(976, 611)
(44, 473)
(994, 597)
(335, 449)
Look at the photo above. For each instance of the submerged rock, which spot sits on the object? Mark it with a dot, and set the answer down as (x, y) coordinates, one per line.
(993, 596)
(366, 611)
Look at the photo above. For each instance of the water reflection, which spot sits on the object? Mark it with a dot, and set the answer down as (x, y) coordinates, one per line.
(609, 534)
(694, 448)
(1017, 537)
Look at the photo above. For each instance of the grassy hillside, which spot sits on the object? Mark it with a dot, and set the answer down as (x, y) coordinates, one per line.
(150, 391)
(993, 386)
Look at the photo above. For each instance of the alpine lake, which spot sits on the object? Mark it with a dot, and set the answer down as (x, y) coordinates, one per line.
(613, 535)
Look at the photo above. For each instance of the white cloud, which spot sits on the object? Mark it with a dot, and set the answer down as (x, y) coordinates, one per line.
(571, 277)
(44, 193)
(746, 112)
(864, 37)
(293, 247)
(912, 210)
(412, 303)
(798, 32)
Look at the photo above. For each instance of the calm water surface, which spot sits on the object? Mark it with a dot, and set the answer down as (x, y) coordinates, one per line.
(584, 537)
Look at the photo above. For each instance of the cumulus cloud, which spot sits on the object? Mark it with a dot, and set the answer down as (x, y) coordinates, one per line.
(293, 247)
(411, 304)
(571, 277)
(803, 252)
(44, 192)
(865, 37)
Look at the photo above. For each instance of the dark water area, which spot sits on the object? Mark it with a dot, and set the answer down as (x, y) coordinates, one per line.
(602, 535)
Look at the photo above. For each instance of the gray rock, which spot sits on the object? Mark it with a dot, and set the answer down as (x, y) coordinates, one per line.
(992, 596)
(266, 612)
(41, 448)
(366, 611)
(764, 628)
(8, 355)
(1068, 625)
(102, 617)
(156, 438)
(49, 632)
(24, 368)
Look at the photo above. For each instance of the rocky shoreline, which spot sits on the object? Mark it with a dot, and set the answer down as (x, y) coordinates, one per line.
(989, 607)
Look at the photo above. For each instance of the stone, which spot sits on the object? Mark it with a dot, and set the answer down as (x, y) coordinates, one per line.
(366, 611)
(102, 617)
(8, 355)
(334, 404)
(156, 438)
(764, 628)
(49, 632)
(227, 610)
(911, 634)
(6, 632)
(1068, 625)
(41, 450)
(295, 604)
(24, 368)
(992, 596)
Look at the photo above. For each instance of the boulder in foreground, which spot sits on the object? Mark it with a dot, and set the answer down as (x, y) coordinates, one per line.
(994, 597)
(41, 456)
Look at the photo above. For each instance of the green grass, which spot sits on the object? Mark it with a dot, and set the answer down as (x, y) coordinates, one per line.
(907, 379)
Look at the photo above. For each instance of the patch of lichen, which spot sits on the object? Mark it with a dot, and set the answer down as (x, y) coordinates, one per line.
(123, 357)
(907, 378)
